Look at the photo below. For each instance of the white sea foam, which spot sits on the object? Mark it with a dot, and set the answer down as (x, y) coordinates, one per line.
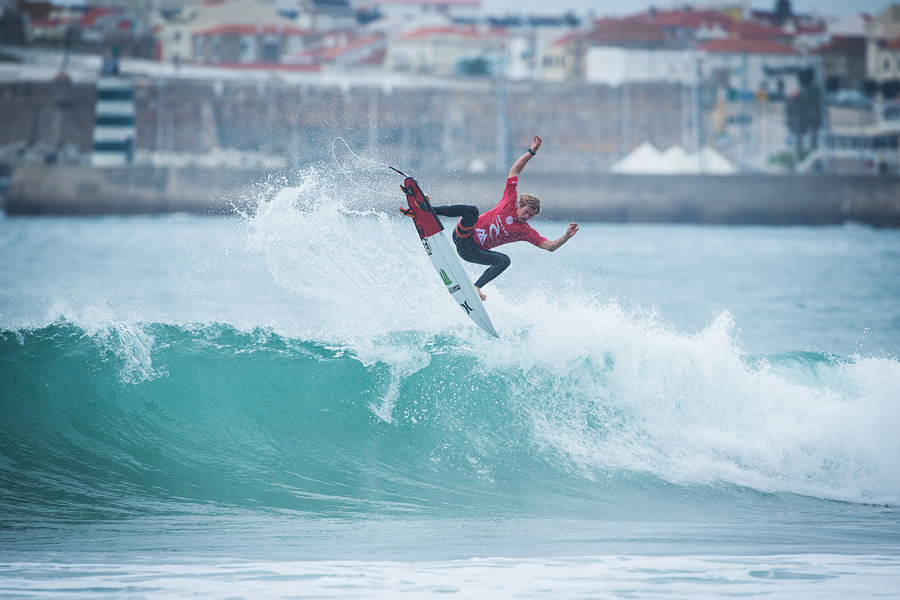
(822, 576)
(608, 390)
(605, 388)
(363, 272)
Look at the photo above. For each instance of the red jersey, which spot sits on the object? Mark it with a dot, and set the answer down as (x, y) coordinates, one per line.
(499, 225)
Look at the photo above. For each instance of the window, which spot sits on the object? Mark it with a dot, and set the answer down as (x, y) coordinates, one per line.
(270, 51)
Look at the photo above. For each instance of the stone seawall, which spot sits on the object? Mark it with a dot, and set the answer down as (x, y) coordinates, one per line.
(84, 191)
(737, 199)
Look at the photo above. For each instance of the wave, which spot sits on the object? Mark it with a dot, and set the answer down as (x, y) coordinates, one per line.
(588, 404)
(336, 393)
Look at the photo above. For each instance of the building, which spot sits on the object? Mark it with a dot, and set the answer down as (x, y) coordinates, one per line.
(408, 9)
(883, 45)
(686, 27)
(445, 50)
(567, 58)
(754, 69)
(527, 41)
(240, 44)
(745, 58)
(229, 31)
(843, 62)
(559, 58)
(614, 66)
(322, 15)
(343, 48)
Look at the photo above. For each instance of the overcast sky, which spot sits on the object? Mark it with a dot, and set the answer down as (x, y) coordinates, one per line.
(837, 8)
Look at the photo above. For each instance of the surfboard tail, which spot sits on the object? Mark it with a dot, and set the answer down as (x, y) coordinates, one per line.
(427, 222)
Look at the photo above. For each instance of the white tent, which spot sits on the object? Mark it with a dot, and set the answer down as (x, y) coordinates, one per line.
(647, 160)
(643, 159)
(715, 163)
(676, 161)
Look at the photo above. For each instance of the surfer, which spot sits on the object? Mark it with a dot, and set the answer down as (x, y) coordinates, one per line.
(476, 234)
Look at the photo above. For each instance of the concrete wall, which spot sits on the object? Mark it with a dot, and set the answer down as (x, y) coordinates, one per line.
(73, 190)
(586, 127)
(738, 199)
(730, 199)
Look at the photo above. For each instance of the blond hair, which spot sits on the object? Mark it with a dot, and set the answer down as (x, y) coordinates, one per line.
(531, 201)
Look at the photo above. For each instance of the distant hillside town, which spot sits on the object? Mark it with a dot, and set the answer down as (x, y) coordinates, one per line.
(761, 89)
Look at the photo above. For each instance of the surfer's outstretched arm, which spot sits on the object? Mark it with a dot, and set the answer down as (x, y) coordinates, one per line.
(523, 160)
(571, 230)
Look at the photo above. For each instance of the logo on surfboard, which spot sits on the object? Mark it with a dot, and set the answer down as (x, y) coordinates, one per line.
(447, 280)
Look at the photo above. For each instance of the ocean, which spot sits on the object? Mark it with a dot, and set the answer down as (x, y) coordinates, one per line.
(286, 404)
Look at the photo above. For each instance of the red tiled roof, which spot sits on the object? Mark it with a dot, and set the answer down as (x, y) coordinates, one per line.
(467, 3)
(332, 53)
(51, 22)
(375, 58)
(748, 30)
(244, 29)
(689, 19)
(565, 39)
(464, 31)
(611, 31)
(90, 18)
(844, 44)
(746, 47)
(270, 67)
(818, 28)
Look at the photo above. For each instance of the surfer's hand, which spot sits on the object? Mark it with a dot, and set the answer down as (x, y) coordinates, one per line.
(536, 143)
(571, 230)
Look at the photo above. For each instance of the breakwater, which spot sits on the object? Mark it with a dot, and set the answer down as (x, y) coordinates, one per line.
(729, 199)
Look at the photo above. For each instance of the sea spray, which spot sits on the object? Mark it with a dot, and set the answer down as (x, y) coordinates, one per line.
(311, 361)
(362, 272)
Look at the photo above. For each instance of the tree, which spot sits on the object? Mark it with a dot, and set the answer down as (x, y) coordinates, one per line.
(783, 11)
(870, 88)
(890, 88)
(803, 113)
(478, 66)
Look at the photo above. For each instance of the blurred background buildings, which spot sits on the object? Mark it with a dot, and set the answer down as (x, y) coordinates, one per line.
(443, 86)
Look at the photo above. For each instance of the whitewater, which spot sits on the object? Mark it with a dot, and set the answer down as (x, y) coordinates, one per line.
(286, 403)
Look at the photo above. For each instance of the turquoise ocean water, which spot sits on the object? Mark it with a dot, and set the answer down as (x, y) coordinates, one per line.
(287, 404)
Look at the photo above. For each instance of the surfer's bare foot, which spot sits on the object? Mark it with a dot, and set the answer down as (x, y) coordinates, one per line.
(480, 294)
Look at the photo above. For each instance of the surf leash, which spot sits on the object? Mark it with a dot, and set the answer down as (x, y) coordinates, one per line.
(361, 159)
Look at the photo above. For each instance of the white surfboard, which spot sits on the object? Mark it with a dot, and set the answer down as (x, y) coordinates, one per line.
(446, 261)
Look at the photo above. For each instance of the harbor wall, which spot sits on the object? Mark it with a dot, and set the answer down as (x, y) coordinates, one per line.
(721, 199)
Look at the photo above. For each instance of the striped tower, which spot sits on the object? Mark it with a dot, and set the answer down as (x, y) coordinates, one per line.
(114, 136)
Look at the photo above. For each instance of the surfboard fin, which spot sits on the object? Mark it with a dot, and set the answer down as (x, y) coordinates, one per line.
(407, 212)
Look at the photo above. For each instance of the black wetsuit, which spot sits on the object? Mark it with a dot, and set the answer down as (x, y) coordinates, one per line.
(466, 247)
